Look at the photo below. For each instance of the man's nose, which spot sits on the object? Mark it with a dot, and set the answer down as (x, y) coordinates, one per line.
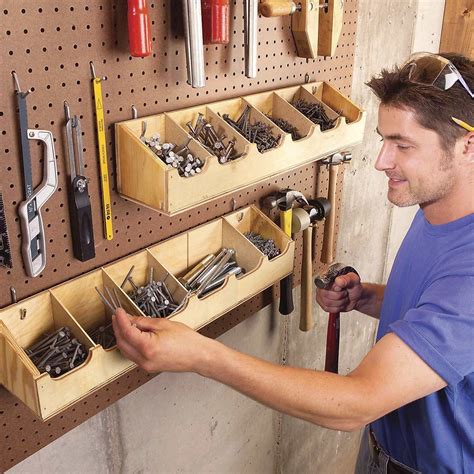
(385, 159)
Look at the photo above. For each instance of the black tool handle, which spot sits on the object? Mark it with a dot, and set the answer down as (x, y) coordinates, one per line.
(81, 220)
(286, 295)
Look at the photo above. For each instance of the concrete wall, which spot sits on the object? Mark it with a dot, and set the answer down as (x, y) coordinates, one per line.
(184, 423)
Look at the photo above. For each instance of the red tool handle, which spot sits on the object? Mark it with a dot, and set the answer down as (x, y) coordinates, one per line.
(139, 30)
(332, 343)
(215, 21)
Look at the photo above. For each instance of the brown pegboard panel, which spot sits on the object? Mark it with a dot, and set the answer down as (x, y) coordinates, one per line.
(50, 45)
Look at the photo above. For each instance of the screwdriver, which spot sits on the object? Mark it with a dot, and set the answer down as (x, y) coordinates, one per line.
(139, 31)
(215, 21)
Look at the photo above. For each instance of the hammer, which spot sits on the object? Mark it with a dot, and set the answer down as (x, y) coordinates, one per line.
(334, 162)
(285, 200)
(334, 328)
(304, 218)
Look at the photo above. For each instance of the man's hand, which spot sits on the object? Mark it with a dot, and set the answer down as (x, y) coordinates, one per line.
(343, 295)
(159, 345)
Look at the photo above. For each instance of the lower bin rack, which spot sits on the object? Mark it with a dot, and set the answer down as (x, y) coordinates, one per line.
(77, 305)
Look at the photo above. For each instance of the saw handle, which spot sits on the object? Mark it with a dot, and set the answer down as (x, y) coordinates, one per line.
(139, 29)
(33, 245)
(277, 8)
(332, 343)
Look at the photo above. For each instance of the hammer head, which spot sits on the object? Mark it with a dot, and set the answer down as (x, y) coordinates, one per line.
(284, 199)
(336, 269)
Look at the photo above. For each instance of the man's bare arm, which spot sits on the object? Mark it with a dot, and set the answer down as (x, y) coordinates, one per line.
(390, 376)
(371, 299)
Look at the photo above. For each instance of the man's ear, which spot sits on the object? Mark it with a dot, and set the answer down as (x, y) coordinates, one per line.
(468, 148)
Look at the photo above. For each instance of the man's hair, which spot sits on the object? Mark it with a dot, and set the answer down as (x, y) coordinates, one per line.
(433, 107)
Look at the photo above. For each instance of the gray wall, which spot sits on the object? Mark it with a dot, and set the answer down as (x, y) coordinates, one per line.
(184, 423)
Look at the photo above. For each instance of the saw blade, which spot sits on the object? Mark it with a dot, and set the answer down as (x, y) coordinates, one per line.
(5, 252)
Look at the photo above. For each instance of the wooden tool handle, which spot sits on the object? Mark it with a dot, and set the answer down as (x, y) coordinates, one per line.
(306, 318)
(332, 344)
(276, 8)
(327, 254)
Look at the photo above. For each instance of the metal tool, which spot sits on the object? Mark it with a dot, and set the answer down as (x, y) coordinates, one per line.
(285, 200)
(334, 162)
(304, 219)
(194, 43)
(5, 250)
(139, 30)
(250, 37)
(104, 171)
(34, 242)
(79, 201)
(334, 323)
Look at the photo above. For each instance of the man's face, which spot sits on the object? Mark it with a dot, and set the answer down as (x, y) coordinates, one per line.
(419, 170)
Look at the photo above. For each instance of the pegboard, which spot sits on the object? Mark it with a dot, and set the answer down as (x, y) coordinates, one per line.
(50, 46)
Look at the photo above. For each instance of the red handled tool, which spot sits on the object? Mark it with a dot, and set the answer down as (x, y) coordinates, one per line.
(332, 339)
(215, 21)
(139, 30)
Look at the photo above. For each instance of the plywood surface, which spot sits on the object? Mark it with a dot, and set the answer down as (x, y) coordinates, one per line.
(50, 45)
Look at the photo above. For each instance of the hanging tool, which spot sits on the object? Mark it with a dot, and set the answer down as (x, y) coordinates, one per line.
(104, 171)
(215, 21)
(34, 242)
(194, 43)
(285, 200)
(333, 162)
(250, 37)
(334, 324)
(5, 250)
(304, 219)
(79, 201)
(316, 28)
(139, 30)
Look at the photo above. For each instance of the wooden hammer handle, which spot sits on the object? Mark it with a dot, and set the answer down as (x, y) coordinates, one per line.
(277, 8)
(327, 255)
(306, 318)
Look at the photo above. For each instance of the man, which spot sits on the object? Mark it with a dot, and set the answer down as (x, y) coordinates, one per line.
(416, 386)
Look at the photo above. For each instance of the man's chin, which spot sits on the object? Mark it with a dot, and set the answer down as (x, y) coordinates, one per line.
(399, 200)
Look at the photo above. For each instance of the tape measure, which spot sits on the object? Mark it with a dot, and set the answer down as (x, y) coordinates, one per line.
(5, 252)
(104, 170)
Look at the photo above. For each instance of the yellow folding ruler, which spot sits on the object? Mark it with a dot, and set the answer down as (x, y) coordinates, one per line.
(104, 171)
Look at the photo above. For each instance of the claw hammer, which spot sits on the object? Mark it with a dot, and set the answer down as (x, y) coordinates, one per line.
(285, 200)
(334, 325)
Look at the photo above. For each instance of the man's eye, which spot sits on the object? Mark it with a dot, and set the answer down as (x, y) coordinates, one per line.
(403, 147)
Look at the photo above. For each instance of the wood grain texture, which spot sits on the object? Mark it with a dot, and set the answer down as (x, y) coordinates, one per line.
(458, 27)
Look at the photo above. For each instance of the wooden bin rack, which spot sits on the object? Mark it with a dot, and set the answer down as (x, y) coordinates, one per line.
(76, 304)
(145, 179)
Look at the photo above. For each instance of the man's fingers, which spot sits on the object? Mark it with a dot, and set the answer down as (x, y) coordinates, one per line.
(126, 330)
(345, 281)
(332, 295)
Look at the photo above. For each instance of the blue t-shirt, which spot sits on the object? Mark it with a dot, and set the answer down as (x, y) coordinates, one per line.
(429, 304)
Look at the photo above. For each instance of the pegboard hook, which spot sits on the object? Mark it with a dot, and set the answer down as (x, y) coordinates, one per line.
(94, 75)
(67, 111)
(134, 112)
(17, 84)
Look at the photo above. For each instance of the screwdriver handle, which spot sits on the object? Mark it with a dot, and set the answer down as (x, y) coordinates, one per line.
(215, 21)
(139, 30)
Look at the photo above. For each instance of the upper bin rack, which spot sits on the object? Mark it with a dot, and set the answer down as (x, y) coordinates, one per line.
(145, 179)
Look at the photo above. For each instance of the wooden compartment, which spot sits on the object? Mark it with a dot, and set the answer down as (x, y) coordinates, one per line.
(181, 253)
(76, 304)
(270, 103)
(45, 395)
(142, 180)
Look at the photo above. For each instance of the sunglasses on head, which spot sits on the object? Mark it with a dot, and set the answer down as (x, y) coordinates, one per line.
(434, 70)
